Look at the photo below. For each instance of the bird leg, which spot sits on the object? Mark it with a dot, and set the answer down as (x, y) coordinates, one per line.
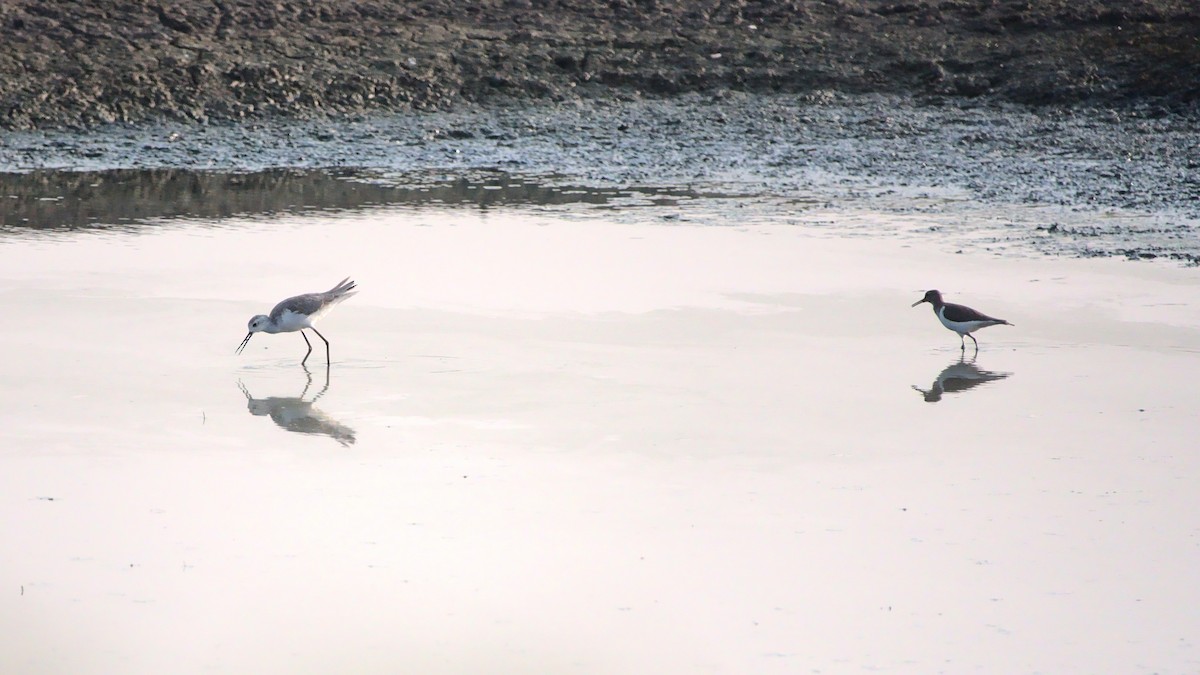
(326, 344)
(974, 340)
(309, 346)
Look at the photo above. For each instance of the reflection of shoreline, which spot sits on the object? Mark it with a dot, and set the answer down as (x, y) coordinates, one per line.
(298, 415)
(958, 377)
(65, 200)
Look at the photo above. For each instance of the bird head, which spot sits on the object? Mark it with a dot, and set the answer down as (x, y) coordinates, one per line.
(256, 324)
(932, 297)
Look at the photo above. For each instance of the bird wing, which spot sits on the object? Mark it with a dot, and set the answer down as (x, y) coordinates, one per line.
(961, 313)
(309, 303)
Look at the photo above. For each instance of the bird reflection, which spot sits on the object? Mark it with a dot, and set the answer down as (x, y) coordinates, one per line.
(959, 376)
(300, 415)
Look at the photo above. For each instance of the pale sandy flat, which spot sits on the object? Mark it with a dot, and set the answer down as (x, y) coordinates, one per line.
(577, 446)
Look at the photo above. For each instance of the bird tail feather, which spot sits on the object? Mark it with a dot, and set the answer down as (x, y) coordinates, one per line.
(343, 289)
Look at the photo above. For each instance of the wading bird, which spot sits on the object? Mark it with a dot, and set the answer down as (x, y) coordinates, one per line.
(300, 312)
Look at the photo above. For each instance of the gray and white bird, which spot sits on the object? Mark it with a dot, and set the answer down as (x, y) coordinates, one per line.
(300, 312)
(959, 318)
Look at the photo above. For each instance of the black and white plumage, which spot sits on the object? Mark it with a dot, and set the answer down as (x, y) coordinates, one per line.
(300, 312)
(959, 318)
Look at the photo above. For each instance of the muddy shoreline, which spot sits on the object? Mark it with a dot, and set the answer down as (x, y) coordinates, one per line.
(1079, 183)
(82, 63)
(1065, 128)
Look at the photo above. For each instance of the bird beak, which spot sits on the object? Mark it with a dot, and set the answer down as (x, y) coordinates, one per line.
(914, 304)
(243, 345)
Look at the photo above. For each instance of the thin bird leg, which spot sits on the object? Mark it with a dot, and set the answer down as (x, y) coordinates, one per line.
(963, 346)
(974, 340)
(326, 345)
(309, 347)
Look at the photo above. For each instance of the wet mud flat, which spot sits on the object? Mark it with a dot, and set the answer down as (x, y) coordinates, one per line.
(996, 177)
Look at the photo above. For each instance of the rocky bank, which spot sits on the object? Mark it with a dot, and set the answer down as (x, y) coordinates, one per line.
(78, 63)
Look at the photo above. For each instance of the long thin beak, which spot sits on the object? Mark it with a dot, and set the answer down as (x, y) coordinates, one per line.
(914, 305)
(243, 345)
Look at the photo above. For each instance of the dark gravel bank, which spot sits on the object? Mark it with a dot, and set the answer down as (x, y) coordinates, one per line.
(83, 62)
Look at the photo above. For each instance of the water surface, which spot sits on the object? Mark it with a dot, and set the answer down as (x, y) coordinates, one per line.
(564, 431)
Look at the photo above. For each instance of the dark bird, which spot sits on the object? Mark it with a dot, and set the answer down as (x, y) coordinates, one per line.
(959, 318)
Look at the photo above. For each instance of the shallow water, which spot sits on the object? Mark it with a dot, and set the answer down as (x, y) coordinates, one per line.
(583, 436)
